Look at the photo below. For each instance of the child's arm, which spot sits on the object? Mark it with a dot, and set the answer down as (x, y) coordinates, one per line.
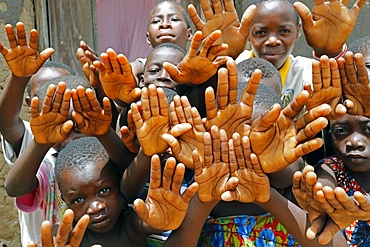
(165, 207)
(327, 20)
(183, 146)
(64, 236)
(228, 114)
(49, 127)
(117, 78)
(355, 83)
(91, 119)
(327, 87)
(199, 65)
(23, 61)
(221, 15)
(287, 139)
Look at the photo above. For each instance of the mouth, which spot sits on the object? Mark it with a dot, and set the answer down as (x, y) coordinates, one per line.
(165, 35)
(356, 157)
(100, 221)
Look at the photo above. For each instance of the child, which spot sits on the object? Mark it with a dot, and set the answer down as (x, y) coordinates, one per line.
(89, 184)
(27, 68)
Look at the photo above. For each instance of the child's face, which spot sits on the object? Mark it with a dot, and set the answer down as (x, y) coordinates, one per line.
(167, 24)
(274, 31)
(155, 73)
(351, 139)
(93, 191)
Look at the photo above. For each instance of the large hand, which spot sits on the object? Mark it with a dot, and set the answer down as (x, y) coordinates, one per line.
(342, 209)
(52, 126)
(22, 58)
(90, 118)
(328, 19)
(182, 147)
(252, 183)
(285, 139)
(212, 174)
(116, 77)
(153, 122)
(228, 114)
(64, 236)
(197, 67)
(164, 207)
(221, 15)
(355, 83)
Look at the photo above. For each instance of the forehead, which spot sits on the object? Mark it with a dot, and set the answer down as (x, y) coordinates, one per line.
(279, 12)
(46, 74)
(165, 54)
(166, 8)
(352, 120)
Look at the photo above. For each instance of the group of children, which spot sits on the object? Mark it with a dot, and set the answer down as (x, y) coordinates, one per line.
(200, 144)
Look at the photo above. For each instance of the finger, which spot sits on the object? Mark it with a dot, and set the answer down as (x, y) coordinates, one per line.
(350, 67)
(316, 226)
(79, 231)
(311, 130)
(106, 62)
(208, 152)
(229, 196)
(224, 147)
(34, 107)
(195, 41)
(328, 232)
(265, 121)
(168, 173)
(335, 74)
(112, 55)
(320, 111)
(187, 110)
(305, 14)
(155, 172)
(233, 80)
(180, 129)
(173, 71)
(197, 120)
(208, 42)
(325, 71)
(362, 72)
(198, 23)
(216, 144)
(141, 209)
(233, 166)
(217, 6)
(247, 151)
(13, 43)
(246, 20)
(85, 104)
(48, 101)
(178, 178)
(64, 228)
(107, 109)
(238, 149)
(222, 89)
(211, 108)
(316, 76)
(153, 99)
(173, 114)
(76, 101)
(163, 103)
(145, 105)
(359, 4)
(46, 234)
(58, 96)
(173, 143)
(295, 107)
(136, 116)
(190, 192)
(207, 9)
(306, 147)
(66, 102)
(198, 166)
(179, 109)
(66, 129)
(251, 88)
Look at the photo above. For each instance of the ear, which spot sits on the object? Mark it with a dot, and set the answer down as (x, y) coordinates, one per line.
(141, 81)
(190, 33)
(148, 39)
(28, 101)
(299, 31)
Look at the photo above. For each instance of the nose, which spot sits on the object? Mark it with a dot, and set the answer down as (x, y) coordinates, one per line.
(355, 142)
(165, 24)
(163, 76)
(273, 40)
(95, 207)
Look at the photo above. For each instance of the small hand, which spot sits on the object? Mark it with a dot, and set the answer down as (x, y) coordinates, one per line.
(128, 134)
(22, 58)
(52, 126)
(164, 207)
(86, 55)
(90, 118)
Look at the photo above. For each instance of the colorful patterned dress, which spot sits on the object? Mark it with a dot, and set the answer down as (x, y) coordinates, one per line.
(358, 233)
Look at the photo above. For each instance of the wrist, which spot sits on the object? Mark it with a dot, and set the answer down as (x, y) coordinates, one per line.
(339, 55)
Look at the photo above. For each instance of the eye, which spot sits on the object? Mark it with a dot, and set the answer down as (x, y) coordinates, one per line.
(367, 129)
(175, 18)
(340, 131)
(155, 21)
(285, 31)
(259, 33)
(153, 71)
(78, 200)
(104, 191)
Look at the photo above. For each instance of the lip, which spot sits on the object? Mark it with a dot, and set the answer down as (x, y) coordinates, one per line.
(100, 221)
(356, 156)
(165, 35)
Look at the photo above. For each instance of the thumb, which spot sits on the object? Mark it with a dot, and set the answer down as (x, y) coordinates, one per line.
(140, 209)
(180, 129)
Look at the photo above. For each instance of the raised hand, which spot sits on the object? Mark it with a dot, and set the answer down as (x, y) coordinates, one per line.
(197, 67)
(116, 77)
(182, 147)
(221, 15)
(228, 114)
(285, 139)
(64, 236)
(86, 55)
(213, 173)
(51, 125)
(327, 87)
(328, 19)
(305, 186)
(252, 183)
(355, 83)
(154, 121)
(342, 209)
(165, 207)
(90, 118)
(22, 58)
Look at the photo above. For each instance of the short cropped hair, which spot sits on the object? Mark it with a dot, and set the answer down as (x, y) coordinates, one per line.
(360, 45)
(183, 11)
(77, 154)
